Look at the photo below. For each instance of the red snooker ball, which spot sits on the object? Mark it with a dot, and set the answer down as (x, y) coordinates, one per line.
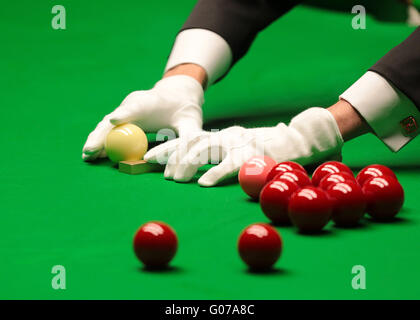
(385, 197)
(349, 203)
(253, 174)
(334, 178)
(274, 200)
(310, 209)
(155, 244)
(260, 246)
(282, 167)
(298, 177)
(328, 168)
(374, 170)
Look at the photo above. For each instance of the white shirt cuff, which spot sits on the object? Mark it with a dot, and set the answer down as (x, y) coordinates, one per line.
(204, 48)
(392, 116)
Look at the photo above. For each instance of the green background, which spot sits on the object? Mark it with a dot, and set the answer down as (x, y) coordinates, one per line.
(57, 210)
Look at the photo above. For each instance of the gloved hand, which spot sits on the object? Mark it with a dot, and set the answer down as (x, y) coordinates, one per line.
(311, 136)
(174, 103)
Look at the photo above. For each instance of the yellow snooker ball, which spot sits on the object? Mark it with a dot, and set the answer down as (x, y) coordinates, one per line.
(126, 142)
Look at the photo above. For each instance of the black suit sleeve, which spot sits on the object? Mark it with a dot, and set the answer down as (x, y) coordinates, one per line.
(237, 21)
(401, 67)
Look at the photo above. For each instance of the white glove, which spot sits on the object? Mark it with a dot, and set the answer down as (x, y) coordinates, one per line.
(311, 136)
(174, 103)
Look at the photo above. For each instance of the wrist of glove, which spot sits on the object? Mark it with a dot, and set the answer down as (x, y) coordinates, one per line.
(311, 136)
(314, 136)
(173, 103)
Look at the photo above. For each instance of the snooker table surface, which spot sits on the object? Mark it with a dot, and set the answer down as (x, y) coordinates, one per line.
(58, 210)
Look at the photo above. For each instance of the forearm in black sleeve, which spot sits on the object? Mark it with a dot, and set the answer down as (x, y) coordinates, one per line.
(401, 67)
(237, 21)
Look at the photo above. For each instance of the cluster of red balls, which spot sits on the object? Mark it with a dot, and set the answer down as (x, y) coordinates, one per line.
(287, 194)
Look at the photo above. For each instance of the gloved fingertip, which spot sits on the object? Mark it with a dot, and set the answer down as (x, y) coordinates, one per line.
(148, 157)
(88, 157)
(167, 173)
(117, 121)
(204, 182)
(180, 178)
(120, 117)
